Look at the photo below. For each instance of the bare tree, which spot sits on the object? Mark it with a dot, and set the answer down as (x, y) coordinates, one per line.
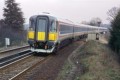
(85, 22)
(95, 21)
(112, 13)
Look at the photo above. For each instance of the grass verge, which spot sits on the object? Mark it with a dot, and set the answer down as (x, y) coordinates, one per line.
(95, 62)
(65, 71)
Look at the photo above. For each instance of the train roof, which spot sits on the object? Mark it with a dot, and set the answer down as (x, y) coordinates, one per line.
(35, 16)
(67, 21)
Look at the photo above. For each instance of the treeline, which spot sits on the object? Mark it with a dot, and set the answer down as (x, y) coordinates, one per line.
(17, 37)
(12, 24)
(114, 42)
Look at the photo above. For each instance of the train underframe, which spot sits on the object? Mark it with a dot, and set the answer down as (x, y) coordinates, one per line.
(51, 46)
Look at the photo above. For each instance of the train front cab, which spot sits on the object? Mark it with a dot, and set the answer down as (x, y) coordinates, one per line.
(42, 35)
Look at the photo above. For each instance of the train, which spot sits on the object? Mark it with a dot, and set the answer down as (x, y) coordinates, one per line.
(47, 34)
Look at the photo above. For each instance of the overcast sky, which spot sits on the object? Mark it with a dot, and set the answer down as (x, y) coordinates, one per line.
(75, 10)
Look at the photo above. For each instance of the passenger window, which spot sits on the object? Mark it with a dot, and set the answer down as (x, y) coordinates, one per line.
(53, 26)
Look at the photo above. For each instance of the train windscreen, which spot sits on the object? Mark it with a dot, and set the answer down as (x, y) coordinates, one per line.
(41, 25)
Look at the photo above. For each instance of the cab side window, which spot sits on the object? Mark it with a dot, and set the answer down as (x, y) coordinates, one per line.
(53, 26)
(32, 24)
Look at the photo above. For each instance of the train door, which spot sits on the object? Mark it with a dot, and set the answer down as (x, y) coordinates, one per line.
(41, 29)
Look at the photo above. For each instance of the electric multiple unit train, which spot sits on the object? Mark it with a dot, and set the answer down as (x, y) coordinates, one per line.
(47, 33)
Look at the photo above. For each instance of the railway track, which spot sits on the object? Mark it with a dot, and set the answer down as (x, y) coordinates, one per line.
(21, 67)
(19, 63)
(27, 69)
(13, 49)
(17, 60)
(6, 61)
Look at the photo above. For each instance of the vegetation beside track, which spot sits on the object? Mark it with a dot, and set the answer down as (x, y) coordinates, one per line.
(94, 61)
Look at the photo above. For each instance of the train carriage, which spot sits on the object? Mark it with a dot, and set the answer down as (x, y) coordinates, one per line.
(47, 33)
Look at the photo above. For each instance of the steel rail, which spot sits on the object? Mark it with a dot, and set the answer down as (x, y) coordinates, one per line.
(13, 58)
(4, 51)
(27, 69)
